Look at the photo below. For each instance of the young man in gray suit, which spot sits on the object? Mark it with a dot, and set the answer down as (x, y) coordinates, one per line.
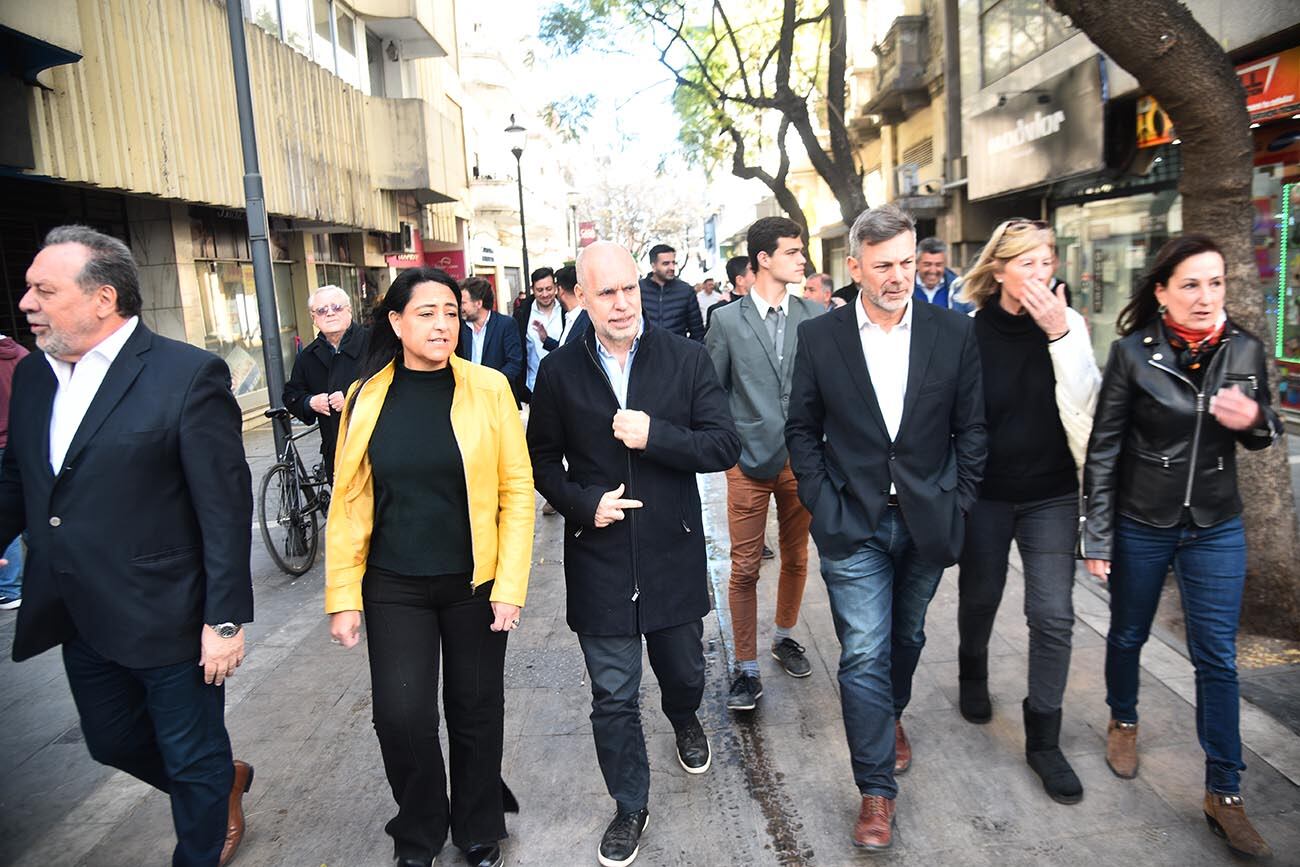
(752, 343)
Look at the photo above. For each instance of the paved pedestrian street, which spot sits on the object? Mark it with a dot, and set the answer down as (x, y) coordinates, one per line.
(780, 791)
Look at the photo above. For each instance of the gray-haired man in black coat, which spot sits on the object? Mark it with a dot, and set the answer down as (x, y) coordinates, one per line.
(636, 412)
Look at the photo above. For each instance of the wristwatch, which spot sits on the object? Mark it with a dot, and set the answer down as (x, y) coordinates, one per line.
(226, 630)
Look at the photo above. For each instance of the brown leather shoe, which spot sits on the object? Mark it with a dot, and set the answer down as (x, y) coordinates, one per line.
(875, 826)
(235, 824)
(1122, 749)
(902, 749)
(1226, 815)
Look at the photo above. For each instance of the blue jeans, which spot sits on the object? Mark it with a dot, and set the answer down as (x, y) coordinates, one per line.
(11, 576)
(1210, 566)
(878, 598)
(164, 726)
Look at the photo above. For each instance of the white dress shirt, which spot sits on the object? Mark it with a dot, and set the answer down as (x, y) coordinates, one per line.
(78, 385)
(552, 322)
(619, 376)
(570, 317)
(888, 356)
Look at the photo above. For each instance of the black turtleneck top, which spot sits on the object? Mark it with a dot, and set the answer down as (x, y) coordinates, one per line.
(1029, 456)
(421, 522)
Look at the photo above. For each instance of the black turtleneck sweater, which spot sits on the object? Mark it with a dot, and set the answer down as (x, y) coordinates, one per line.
(1029, 457)
(421, 505)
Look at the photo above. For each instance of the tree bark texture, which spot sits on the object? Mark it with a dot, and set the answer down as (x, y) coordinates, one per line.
(1176, 61)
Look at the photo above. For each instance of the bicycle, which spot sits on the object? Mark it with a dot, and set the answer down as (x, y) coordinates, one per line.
(289, 502)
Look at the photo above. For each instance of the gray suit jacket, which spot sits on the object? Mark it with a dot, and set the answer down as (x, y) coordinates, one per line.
(757, 385)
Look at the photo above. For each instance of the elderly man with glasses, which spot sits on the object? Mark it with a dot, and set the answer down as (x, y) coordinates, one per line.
(326, 367)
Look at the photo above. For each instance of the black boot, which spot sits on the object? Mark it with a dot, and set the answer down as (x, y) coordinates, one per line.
(973, 688)
(1043, 752)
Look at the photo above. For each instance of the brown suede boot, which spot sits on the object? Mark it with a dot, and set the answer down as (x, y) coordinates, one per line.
(1226, 815)
(1122, 749)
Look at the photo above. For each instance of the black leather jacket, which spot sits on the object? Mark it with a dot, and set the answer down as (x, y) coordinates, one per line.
(1156, 449)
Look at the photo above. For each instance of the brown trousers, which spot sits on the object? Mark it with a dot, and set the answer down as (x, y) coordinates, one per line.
(747, 500)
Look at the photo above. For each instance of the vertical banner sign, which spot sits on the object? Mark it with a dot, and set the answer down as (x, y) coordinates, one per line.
(586, 233)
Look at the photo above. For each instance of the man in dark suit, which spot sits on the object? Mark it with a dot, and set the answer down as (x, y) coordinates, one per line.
(575, 323)
(487, 337)
(147, 601)
(636, 412)
(540, 321)
(752, 343)
(886, 436)
(326, 367)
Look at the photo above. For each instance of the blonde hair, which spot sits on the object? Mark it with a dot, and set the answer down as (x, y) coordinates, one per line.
(1011, 239)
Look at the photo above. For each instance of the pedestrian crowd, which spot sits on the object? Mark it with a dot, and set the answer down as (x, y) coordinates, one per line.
(905, 423)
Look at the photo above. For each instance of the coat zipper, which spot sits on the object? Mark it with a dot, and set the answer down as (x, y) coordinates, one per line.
(636, 584)
(1200, 418)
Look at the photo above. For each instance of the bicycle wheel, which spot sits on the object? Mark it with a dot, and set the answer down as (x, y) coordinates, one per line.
(289, 527)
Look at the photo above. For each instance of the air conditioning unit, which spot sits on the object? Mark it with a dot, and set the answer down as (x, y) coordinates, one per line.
(406, 237)
(909, 178)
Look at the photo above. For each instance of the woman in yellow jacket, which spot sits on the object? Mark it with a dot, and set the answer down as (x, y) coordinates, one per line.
(430, 532)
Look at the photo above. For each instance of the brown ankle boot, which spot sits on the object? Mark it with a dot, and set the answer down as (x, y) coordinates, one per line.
(1226, 815)
(1121, 749)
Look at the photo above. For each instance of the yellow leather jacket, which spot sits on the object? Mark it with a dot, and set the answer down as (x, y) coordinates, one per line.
(498, 476)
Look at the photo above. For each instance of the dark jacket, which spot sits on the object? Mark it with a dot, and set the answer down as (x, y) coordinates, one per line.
(11, 352)
(143, 536)
(672, 307)
(840, 449)
(648, 571)
(580, 326)
(1155, 448)
(320, 370)
(502, 349)
(946, 294)
(524, 313)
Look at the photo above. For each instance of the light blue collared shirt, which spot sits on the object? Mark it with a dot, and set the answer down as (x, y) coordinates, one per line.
(477, 337)
(619, 376)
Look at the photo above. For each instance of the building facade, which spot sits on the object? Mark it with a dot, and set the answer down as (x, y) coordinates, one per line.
(127, 122)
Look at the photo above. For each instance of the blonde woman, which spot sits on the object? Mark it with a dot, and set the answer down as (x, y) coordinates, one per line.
(1040, 388)
(430, 533)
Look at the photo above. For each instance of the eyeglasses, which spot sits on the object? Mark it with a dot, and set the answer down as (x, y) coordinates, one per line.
(326, 309)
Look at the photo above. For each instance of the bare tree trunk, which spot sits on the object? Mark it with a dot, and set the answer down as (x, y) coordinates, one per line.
(1188, 73)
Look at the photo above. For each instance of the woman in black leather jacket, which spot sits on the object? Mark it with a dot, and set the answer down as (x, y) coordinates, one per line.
(1182, 388)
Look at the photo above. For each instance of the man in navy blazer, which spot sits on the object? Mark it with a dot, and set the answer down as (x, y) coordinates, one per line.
(487, 337)
(575, 324)
(125, 465)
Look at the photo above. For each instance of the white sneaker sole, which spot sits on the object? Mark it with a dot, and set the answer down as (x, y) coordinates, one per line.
(749, 706)
(10, 606)
(698, 770)
(610, 862)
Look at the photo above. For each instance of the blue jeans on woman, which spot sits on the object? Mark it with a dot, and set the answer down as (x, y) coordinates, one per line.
(1210, 566)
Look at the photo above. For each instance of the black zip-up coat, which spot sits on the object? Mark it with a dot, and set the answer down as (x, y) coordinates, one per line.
(648, 571)
(320, 370)
(672, 307)
(1155, 448)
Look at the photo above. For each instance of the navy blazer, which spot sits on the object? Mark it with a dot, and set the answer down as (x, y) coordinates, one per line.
(143, 536)
(501, 347)
(580, 326)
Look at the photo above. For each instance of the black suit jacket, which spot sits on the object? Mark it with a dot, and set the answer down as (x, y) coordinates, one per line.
(144, 534)
(502, 349)
(648, 571)
(318, 369)
(580, 325)
(840, 450)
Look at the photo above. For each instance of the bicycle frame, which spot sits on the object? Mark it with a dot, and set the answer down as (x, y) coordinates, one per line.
(311, 486)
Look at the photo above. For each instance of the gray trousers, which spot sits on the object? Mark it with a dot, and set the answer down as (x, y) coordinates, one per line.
(614, 665)
(1044, 532)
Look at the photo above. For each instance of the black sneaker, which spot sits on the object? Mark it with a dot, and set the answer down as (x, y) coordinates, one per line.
(693, 748)
(768, 553)
(622, 838)
(745, 692)
(790, 654)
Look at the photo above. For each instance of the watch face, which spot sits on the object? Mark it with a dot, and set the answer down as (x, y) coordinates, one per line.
(228, 630)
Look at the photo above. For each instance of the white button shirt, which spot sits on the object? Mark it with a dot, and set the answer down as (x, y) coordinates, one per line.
(887, 354)
(78, 385)
(477, 337)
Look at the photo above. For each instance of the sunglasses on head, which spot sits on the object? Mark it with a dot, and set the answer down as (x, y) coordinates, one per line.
(326, 309)
(1033, 224)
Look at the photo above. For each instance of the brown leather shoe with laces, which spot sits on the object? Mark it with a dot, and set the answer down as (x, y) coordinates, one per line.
(235, 823)
(875, 826)
(1122, 749)
(902, 749)
(1226, 815)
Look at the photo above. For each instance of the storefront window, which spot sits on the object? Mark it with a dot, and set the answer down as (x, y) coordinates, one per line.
(1286, 306)
(232, 329)
(1014, 32)
(1106, 247)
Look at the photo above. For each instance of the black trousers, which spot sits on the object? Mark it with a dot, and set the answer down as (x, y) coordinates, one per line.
(614, 665)
(413, 623)
(164, 726)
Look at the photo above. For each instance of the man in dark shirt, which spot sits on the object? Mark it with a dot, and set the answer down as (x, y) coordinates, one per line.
(667, 302)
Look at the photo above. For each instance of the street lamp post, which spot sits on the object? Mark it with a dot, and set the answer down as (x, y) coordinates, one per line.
(518, 136)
